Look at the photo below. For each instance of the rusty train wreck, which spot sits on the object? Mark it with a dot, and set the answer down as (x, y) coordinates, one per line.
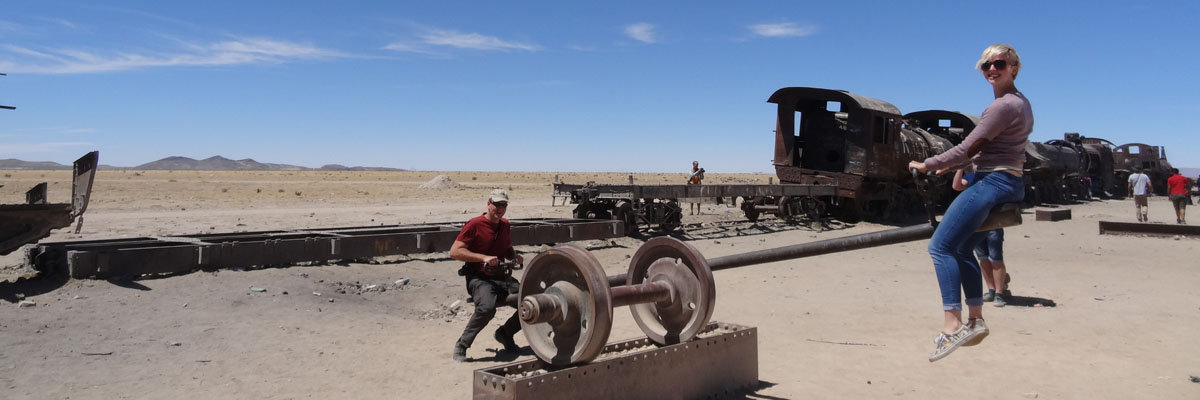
(21, 224)
(860, 147)
(859, 144)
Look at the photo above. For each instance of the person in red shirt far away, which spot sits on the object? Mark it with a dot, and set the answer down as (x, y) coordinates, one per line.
(486, 241)
(1177, 188)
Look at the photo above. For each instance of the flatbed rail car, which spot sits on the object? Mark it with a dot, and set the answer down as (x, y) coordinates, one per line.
(658, 205)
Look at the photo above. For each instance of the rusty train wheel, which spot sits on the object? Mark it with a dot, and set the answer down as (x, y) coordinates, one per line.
(693, 297)
(575, 277)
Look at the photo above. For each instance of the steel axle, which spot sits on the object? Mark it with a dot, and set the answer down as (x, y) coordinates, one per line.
(566, 301)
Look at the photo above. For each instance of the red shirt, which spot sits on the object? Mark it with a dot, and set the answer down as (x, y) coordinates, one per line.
(481, 237)
(1177, 184)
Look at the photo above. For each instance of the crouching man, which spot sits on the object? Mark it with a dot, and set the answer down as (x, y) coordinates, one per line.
(483, 244)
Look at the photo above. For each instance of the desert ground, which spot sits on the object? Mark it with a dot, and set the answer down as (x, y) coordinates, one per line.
(1095, 316)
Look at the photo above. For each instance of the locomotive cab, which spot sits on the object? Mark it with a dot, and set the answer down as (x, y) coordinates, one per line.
(857, 143)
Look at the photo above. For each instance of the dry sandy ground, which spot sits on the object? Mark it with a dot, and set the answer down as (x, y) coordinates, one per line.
(1118, 319)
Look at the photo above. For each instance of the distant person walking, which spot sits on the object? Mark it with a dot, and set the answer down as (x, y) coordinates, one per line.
(694, 179)
(1140, 187)
(996, 150)
(1177, 189)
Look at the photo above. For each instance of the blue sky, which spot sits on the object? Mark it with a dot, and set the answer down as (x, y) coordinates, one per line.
(559, 86)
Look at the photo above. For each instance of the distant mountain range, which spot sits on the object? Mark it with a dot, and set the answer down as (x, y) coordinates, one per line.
(214, 163)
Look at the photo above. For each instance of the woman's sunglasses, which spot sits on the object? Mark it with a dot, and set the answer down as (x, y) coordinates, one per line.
(1000, 64)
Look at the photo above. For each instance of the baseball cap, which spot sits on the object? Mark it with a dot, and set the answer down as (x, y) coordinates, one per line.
(498, 195)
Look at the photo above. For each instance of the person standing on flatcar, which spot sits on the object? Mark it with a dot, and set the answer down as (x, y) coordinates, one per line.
(694, 179)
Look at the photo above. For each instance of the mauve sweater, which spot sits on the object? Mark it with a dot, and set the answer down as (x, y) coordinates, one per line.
(997, 143)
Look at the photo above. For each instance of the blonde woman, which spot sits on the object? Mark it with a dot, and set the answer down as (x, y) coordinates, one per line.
(996, 150)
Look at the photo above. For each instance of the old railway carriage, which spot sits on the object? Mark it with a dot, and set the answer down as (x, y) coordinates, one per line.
(858, 143)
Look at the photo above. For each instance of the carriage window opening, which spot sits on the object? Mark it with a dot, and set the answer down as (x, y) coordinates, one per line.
(889, 131)
(1134, 150)
(883, 129)
(833, 106)
(797, 123)
(944, 123)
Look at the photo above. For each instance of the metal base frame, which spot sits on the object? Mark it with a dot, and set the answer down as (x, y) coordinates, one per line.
(722, 362)
(174, 254)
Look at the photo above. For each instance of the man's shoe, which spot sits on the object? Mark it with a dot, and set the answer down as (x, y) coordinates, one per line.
(989, 295)
(948, 342)
(460, 353)
(506, 340)
(999, 300)
(979, 327)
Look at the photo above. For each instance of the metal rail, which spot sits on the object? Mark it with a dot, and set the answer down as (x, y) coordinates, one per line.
(174, 254)
(1133, 228)
(1004, 215)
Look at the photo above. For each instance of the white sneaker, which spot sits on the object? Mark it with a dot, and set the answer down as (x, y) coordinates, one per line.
(979, 327)
(948, 342)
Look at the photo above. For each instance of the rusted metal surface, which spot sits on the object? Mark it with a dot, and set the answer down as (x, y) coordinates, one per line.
(721, 363)
(1133, 228)
(1152, 160)
(602, 191)
(566, 305)
(861, 144)
(657, 205)
(693, 290)
(566, 308)
(952, 125)
(1052, 214)
(1002, 216)
(26, 223)
(173, 254)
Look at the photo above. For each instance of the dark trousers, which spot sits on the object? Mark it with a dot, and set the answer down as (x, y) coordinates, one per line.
(488, 293)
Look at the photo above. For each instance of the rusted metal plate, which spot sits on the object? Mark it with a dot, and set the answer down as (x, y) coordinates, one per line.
(25, 223)
(174, 254)
(721, 362)
(1134, 228)
(1052, 214)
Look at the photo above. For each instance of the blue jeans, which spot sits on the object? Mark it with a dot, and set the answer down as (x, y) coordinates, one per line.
(992, 246)
(955, 238)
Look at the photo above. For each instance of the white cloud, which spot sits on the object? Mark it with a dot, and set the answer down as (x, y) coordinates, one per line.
(232, 52)
(25, 148)
(786, 29)
(61, 22)
(475, 41)
(53, 130)
(578, 47)
(642, 32)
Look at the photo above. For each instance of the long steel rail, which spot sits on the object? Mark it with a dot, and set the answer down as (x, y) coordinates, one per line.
(175, 254)
(1133, 228)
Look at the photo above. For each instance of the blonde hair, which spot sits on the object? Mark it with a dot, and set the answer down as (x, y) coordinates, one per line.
(1010, 55)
